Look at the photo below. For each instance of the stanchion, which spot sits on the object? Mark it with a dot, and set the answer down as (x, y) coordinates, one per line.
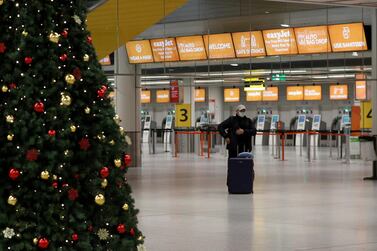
(209, 144)
(175, 144)
(308, 145)
(339, 142)
(347, 150)
(330, 143)
(301, 143)
(282, 147)
(273, 145)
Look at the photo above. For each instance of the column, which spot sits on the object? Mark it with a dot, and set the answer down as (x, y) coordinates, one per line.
(189, 98)
(128, 106)
(216, 93)
(374, 71)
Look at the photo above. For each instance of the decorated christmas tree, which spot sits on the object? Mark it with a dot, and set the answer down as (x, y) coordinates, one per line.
(63, 156)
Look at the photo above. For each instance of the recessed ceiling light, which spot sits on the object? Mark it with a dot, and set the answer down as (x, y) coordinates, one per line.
(285, 25)
(267, 12)
(234, 64)
(355, 54)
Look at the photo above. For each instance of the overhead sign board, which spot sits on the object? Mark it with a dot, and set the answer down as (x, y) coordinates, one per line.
(313, 39)
(231, 95)
(219, 46)
(145, 96)
(163, 96)
(253, 96)
(200, 95)
(348, 37)
(271, 94)
(139, 52)
(295, 93)
(338, 92)
(280, 42)
(249, 44)
(191, 48)
(164, 50)
(312, 92)
(360, 87)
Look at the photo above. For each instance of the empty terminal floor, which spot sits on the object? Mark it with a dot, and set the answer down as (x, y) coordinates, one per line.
(322, 205)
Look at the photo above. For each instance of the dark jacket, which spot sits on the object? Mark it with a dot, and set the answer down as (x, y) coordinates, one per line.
(228, 129)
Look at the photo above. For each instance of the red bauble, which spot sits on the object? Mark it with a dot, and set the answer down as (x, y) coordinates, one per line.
(75, 237)
(2, 47)
(63, 57)
(84, 144)
(39, 107)
(73, 194)
(104, 172)
(102, 92)
(89, 39)
(55, 184)
(121, 228)
(132, 232)
(28, 60)
(90, 228)
(77, 73)
(65, 33)
(127, 159)
(43, 243)
(12, 86)
(51, 133)
(14, 174)
(65, 185)
(32, 154)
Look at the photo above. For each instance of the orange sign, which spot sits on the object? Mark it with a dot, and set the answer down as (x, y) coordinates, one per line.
(219, 46)
(280, 42)
(313, 39)
(295, 93)
(164, 50)
(253, 96)
(271, 94)
(338, 92)
(249, 44)
(313, 92)
(348, 37)
(361, 87)
(191, 48)
(200, 95)
(105, 61)
(145, 96)
(139, 52)
(163, 96)
(231, 95)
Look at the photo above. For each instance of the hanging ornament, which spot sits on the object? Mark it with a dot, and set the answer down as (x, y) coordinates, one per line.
(14, 174)
(86, 58)
(73, 128)
(54, 37)
(87, 110)
(75, 237)
(116, 118)
(121, 130)
(9, 119)
(118, 162)
(55, 184)
(65, 33)
(102, 91)
(28, 60)
(32, 154)
(70, 79)
(39, 107)
(65, 99)
(101, 137)
(63, 57)
(127, 159)
(89, 39)
(10, 137)
(77, 19)
(125, 207)
(45, 175)
(2, 48)
(25, 33)
(77, 73)
(90, 228)
(132, 232)
(112, 142)
(104, 172)
(35, 241)
(51, 133)
(4, 88)
(121, 228)
(12, 200)
(8, 233)
(12, 86)
(128, 140)
(104, 183)
(103, 234)
(43, 243)
(73, 194)
(84, 144)
(100, 199)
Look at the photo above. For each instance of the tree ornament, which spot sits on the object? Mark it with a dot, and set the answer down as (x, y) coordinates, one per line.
(132, 232)
(73, 128)
(86, 58)
(75, 237)
(1, 2)
(43, 243)
(104, 172)
(100, 199)
(121, 228)
(45, 175)
(25, 33)
(9, 119)
(10, 137)
(128, 140)
(102, 91)
(118, 162)
(63, 57)
(32, 154)
(87, 110)
(121, 129)
(65, 33)
(104, 183)
(84, 144)
(54, 37)
(73, 194)
(12, 86)
(116, 118)
(4, 88)
(35, 241)
(28, 60)
(103, 234)
(127, 159)
(77, 19)
(65, 99)
(39, 107)
(112, 142)
(14, 174)
(89, 40)
(12, 200)
(2, 48)
(8, 233)
(51, 133)
(55, 184)
(125, 207)
(77, 73)
(70, 79)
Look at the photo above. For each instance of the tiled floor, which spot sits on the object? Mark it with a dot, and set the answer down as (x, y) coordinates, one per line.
(321, 205)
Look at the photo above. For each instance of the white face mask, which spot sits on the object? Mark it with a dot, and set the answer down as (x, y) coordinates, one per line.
(241, 114)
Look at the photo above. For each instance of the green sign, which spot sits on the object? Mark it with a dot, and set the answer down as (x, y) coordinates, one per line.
(278, 77)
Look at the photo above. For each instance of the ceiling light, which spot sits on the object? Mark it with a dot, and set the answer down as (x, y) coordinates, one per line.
(155, 83)
(355, 54)
(267, 12)
(285, 25)
(235, 65)
(201, 81)
(154, 77)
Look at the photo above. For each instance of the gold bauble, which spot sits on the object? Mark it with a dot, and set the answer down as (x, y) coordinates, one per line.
(1, 2)
(4, 88)
(10, 119)
(45, 175)
(73, 128)
(12, 200)
(65, 99)
(101, 137)
(87, 110)
(25, 33)
(140, 238)
(117, 118)
(125, 207)
(86, 57)
(54, 37)
(54, 177)
(104, 183)
(100, 199)
(112, 142)
(35, 241)
(121, 129)
(117, 162)
(70, 79)
(10, 137)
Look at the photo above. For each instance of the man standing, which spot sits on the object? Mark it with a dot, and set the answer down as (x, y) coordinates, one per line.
(237, 131)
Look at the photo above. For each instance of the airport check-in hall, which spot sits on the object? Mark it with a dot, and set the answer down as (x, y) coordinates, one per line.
(300, 74)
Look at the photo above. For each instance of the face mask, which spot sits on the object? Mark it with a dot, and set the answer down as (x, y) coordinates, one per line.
(241, 114)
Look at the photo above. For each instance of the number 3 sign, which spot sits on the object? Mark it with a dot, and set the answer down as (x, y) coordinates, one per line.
(183, 115)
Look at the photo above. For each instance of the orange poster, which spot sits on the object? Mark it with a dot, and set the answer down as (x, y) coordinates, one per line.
(253, 96)
(338, 92)
(361, 87)
(200, 95)
(145, 96)
(231, 95)
(313, 92)
(219, 46)
(271, 94)
(295, 93)
(191, 48)
(163, 96)
(280, 42)
(249, 44)
(164, 50)
(348, 37)
(313, 39)
(139, 52)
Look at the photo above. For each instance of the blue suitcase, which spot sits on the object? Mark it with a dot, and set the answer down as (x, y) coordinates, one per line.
(240, 175)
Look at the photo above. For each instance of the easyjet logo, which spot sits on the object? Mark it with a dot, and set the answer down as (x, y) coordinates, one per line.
(279, 34)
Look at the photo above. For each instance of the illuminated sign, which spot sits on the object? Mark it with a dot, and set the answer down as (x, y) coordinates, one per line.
(249, 44)
(313, 92)
(105, 61)
(253, 96)
(231, 95)
(191, 48)
(360, 87)
(338, 92)
(313, 39)
(280, 42)
(295, 93)
(139, 52)
(348, 37)
(219, 46)
(163, 96)
(271, 94)
(145, 96)
(200, 95)
(164, 50)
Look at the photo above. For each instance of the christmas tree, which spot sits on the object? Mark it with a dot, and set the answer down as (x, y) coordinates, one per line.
(62, 153)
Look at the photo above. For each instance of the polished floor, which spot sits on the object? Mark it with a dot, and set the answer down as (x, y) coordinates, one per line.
(298, 205)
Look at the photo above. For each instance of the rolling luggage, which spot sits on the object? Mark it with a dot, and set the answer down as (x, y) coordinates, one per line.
(240, 175)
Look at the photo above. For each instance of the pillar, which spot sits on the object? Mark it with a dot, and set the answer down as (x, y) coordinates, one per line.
(374, 71)
(189, 98)
(216, 93)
